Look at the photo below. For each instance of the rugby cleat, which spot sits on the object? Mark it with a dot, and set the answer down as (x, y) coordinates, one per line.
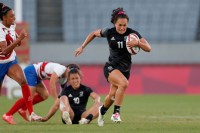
(9, 119)
(84, 121)
(66, 118)
(116, 118)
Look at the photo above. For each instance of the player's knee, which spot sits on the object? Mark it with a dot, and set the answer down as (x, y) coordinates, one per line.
(22, 81)
(63, 98)
(45, 96)
(123, 84)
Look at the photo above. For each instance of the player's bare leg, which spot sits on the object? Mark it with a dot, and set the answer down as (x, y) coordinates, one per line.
(67, 113)
(118, 79)
(16, 73)
(90, 114)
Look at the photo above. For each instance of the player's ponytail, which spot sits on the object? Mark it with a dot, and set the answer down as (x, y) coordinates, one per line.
(3, 10)
(118, 13)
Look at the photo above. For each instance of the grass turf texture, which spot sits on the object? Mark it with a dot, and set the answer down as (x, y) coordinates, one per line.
(140, 114)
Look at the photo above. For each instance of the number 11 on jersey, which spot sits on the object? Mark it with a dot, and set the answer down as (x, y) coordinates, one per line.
(120, 44)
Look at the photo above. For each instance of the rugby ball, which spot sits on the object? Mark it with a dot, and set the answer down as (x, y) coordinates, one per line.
(132, 50)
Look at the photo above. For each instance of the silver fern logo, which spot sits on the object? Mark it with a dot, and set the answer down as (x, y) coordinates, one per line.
(110, 68)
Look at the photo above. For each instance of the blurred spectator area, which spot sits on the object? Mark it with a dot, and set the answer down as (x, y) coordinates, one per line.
(171, 26)
(71, 20)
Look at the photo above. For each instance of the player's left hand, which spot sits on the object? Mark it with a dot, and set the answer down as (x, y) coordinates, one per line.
(78, 51)
(22, 35)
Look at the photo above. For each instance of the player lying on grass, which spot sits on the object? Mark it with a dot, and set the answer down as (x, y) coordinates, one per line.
(73, 99)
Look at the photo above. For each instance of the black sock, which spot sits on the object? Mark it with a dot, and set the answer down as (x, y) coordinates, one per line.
(103, 110)
(89, 117)
(116, 109)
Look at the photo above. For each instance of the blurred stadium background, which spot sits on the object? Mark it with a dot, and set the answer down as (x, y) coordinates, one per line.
(172, 27)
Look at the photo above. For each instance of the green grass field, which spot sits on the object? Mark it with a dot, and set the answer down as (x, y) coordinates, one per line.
(140, 114)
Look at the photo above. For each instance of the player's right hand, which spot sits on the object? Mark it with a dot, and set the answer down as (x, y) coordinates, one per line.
(43, 119)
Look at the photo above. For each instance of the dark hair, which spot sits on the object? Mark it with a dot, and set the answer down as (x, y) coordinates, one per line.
(3, 10)
(74, 71)
(73, 66)
(118, 13)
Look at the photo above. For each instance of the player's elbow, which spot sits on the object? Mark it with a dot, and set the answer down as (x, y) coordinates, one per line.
(148, 50)
(93, 34)
(96, 33)
(4, 52)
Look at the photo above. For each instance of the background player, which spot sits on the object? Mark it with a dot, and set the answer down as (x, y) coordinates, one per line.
(73, 100)
(8, 61)
(117, 69)
(35, 73)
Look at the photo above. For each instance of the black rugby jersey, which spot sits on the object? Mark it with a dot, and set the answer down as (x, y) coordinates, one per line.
(119, 56)
(77, 98)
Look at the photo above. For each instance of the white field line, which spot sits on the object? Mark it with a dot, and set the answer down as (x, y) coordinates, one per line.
(171, 117)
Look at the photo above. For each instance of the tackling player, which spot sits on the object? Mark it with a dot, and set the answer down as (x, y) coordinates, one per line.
(35, 73)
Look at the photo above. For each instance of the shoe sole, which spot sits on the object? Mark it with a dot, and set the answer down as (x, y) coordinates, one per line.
(66, 118)
(83, 122)
(8, 121)
(116, 121)
(100, 124)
